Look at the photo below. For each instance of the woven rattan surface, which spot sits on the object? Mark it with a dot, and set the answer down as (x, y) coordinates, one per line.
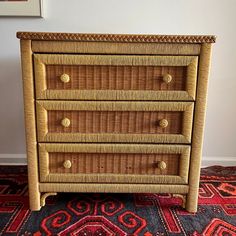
(30, 124)
(113, 163)
(114, 187)
(121, 74)
(115, 48)
(117, 37)
(114, 121)
(97, 163)
(126, 122)
(116, 77)
(114, 113)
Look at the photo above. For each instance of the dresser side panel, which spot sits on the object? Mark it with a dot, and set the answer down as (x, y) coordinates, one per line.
(30, 126)
(198, 127)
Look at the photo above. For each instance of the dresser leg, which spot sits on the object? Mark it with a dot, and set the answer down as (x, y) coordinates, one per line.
(34, 199)
(189, 202)
(192, 201)
(44, 196)
(183, 197)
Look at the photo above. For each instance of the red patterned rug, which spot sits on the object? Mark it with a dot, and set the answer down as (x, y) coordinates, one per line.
(119, 214)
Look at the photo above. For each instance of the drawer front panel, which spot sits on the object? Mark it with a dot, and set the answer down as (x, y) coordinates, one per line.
(114, 121)
(116, 163)
(105, 77)
(115, 77)
(118, 122)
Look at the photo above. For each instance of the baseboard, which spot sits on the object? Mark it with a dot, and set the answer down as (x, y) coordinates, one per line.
(220, 161)
(20, 159)
(13, 159)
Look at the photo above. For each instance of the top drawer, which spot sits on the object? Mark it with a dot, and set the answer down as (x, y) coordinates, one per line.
(115, 77)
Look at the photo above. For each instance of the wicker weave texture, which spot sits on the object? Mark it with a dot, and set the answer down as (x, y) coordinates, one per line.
(114, 163)
(93, 73)
(113, 188)
(144, 60)
(85, 77)
(114, 148)
(115, 48)
(30, 124)
(116, 122)
(114, 102)
(113, 95)
(117, 37)
(198, 127)
(95, 163)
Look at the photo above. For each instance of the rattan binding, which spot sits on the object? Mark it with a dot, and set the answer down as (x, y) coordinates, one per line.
(117, 37)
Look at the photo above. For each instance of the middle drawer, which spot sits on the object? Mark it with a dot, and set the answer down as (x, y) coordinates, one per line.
(144, 122)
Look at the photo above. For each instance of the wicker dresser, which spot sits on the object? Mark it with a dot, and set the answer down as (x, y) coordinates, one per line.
(114, 113)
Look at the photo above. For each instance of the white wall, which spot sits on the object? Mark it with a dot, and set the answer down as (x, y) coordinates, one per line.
(137, 17)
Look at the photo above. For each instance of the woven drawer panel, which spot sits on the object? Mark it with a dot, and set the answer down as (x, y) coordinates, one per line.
(95, 77)
(114, 121)
(114, 163)
(115, 77)
(133, 122)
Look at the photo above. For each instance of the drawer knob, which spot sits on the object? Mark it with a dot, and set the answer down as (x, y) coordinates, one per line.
(163, 123)
(167, 78)
(67, 164)
(65, 78)
(65, 122)
(162, 165)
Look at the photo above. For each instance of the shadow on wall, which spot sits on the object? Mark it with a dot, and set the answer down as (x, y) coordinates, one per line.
(12, 138)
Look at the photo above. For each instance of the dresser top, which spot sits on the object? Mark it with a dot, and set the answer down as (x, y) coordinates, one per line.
(139, 38)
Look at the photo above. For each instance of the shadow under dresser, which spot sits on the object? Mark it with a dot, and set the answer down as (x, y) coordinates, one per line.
(114, 113)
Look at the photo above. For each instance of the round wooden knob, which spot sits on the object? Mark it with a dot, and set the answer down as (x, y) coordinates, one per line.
(65, 78)
(163, 123)
(162, 165)
(167, 78)
(67, 164)
(65, 122)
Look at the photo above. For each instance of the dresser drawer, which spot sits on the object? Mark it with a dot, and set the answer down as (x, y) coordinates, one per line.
(114, 163)
(114, 77)
(81, 121)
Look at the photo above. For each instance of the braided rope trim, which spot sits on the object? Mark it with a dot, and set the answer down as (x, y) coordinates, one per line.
(117, 37)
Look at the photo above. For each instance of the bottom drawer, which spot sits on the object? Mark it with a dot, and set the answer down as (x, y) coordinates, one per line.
(114, 163)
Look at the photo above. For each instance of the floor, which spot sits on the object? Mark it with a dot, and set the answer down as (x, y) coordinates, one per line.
(119, 214)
